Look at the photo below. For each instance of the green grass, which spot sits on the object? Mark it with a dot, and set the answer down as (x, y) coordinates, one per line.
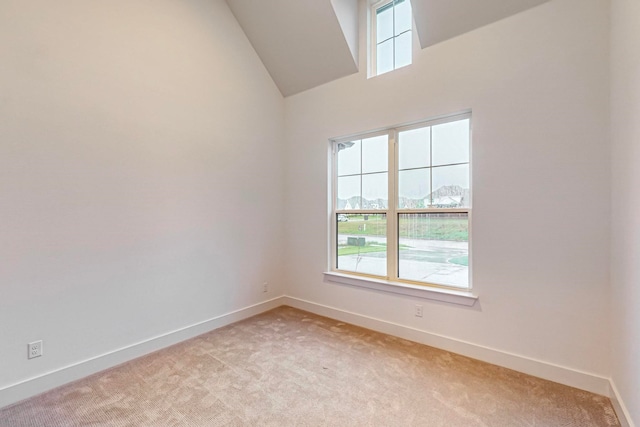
(461, 260)
(449, 229)
(359, 227)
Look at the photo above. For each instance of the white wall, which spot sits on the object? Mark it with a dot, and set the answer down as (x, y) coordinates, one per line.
(538, 87)
(625, 243)
(141, 175)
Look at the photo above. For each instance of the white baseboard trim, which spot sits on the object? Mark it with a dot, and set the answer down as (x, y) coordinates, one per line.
(545, 370)
(14, 393)
(619, 406)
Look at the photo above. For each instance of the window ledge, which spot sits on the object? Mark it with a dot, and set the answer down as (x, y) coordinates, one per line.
(436, 294)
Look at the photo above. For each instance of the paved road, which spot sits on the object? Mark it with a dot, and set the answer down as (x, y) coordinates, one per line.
(426, 260)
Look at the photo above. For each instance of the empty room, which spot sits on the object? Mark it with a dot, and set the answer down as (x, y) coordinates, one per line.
(319, 213)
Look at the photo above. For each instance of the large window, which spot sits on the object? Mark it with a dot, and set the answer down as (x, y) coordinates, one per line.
(391, 26)
(402, 205)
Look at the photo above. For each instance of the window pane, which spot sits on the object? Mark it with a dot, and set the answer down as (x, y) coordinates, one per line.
(413, 188)
(384, 23)
(413, 149)
(403, 49)
(384, 57)
(451, 143)
(362, 243)
(451, 186)
(375, 191)
(349, 192)
(434, 248)
(375, 154)
(348, 158)
(402, 16)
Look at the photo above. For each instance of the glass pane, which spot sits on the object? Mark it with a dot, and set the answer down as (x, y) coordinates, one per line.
(413, 189)
(375, 154)
(402, 16)
(384, 23)
(375, 191)
(413, 149)
(384, 57)
(349, 158)
(348, 192)
(434, 248)
(451, 143)
(451, 186)
(403, 49)
(362, 243)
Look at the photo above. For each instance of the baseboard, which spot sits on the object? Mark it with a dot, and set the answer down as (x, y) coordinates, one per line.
(548, 371)
(41, 383)
(619, 406)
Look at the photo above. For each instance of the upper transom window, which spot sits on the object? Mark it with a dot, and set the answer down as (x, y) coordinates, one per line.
(391, 26)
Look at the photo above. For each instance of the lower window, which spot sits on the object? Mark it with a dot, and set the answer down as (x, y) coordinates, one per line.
(362, 243)
(434, 248)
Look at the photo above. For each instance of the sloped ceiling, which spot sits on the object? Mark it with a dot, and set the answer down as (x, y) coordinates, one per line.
(306, 43)
(439, 20)
(302, 43)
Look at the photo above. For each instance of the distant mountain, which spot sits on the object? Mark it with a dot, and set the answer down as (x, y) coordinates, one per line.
(354, 203)
(447, 196)
(450, 190)
(450, 196)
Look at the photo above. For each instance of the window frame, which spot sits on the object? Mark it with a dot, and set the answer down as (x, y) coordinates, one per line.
(373, 36)
(393, 212)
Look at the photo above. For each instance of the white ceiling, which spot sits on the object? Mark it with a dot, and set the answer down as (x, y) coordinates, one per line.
(302, 43)
(439, 20)
(306, 43)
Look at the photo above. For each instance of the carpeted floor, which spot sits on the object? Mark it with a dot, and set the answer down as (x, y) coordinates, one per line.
(287, 367)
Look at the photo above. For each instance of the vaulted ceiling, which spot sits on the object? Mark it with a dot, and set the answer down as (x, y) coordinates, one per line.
(302, 43)
(439, 20)
(306, 43)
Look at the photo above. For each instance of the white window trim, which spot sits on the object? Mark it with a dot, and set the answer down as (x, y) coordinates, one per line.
(373, 39)
(432, 291)
(467, 299)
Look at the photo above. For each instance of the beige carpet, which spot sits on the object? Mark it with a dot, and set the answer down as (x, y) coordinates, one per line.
(291, 368)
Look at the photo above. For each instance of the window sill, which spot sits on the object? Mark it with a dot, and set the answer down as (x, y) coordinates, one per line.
(436, 294)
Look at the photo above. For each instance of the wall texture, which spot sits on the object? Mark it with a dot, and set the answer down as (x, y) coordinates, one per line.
(141, 175)
(538, 87)
(625, 242)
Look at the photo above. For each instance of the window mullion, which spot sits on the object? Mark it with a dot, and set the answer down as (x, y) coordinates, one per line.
(392, 217)
(333, 251)
(393, 33)
(430, 166)
(361, 149)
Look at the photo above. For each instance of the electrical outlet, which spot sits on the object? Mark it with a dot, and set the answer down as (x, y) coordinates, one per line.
(265, 287)
(35, 349)
(418, 310)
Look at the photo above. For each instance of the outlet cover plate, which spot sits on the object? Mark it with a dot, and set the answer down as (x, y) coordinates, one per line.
(35, 349)
(418, 310)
